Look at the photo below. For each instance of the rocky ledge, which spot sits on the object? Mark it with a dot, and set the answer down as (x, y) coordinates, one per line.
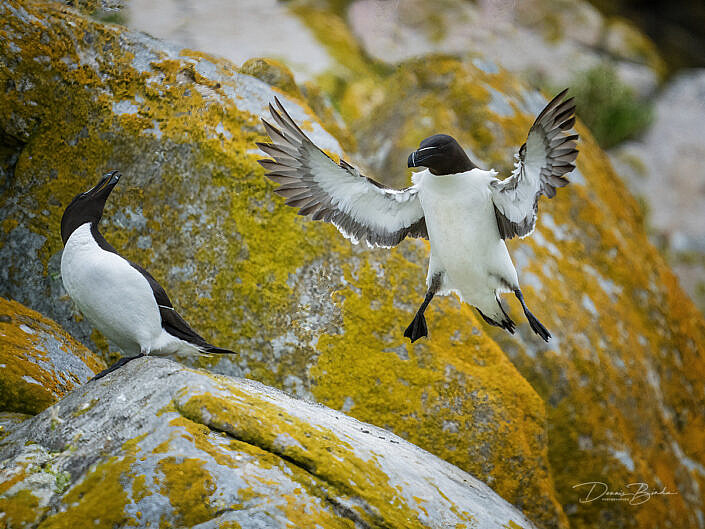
(158, 444)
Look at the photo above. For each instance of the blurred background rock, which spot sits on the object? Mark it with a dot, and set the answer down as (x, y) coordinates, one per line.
(635, 68)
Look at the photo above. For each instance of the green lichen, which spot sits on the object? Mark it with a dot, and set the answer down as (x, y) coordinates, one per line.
(63, 480)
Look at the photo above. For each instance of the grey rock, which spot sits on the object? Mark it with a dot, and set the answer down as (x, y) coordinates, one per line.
(242, 30)
(557, 39)
(243, 452)
(666, 169)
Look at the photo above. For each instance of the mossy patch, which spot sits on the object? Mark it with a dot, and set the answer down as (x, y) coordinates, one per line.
(611, 110)
(19, 510)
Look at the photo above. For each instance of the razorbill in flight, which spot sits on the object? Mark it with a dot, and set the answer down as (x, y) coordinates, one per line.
(465, 212)
(119, 297)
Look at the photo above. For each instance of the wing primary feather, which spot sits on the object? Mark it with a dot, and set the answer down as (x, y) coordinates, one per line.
(285, 125)
(567, 124)
(279, 179)
(310, 180)
(544, 158)
(273, 149)
(288, 118)
(277, 136)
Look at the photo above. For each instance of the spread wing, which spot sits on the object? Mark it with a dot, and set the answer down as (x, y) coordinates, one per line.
(547, 155)
(360, 207)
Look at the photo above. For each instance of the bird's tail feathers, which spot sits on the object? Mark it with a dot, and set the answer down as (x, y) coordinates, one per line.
(211, 349)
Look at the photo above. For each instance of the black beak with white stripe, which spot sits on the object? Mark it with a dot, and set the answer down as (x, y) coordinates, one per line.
(465, 212)
(120, 298)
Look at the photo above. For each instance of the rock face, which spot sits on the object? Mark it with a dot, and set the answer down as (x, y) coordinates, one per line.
(39, 362)
(670, 177)
(620, 383)
(242, 30)
(224, 452)
(628, 343)
(306, 311)
(558, 39)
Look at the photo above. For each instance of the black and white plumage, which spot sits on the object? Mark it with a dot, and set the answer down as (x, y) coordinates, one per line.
(360, 207)
(464, 211)
(120, 298)
(545, 157)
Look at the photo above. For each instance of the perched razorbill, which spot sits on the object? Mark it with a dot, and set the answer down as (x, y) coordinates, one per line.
(464, 211)
(119, 297)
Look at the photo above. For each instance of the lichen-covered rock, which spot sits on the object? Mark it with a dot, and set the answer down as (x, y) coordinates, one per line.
(159, 444)
(240, 30)
(9, 421)
(39, 362)
(622, 376)
(272, 72)
(305, 310)
(557, 38)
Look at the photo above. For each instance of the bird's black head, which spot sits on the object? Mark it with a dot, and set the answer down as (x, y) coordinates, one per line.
(442, 155)
(88, 206)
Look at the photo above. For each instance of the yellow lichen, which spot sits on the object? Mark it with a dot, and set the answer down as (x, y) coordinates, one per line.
(27, 385)
(19, 510)
(189, 488)
(99, 498)
(272, 72)
(317, 450)
(661, 334)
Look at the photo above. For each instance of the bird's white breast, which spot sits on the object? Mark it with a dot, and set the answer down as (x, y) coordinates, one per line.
(110, 293)
(462, 229)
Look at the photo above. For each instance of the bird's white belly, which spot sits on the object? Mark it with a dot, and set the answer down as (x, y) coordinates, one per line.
(111, 294)
(465, 241)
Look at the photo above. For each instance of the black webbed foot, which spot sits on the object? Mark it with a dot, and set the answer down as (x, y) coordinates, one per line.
(535, 324)
(507, 323)
(116, 366)
(417, 329)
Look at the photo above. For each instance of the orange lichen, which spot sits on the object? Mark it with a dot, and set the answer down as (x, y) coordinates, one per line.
(28, 381)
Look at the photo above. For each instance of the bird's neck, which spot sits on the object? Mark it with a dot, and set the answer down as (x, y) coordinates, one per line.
(100, 240)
